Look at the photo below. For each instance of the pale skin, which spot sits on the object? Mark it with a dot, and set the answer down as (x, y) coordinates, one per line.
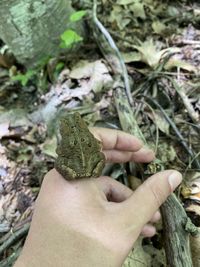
(95, 222)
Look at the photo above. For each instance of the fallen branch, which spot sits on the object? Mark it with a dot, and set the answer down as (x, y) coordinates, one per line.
(178, 225)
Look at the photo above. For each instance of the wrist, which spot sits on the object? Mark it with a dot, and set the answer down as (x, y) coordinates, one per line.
(81, 251)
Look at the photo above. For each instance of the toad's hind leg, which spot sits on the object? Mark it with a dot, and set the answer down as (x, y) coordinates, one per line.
(99, 168)
(66, 172)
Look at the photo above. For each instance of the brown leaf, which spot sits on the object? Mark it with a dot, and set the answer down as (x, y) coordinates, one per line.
(4, 129)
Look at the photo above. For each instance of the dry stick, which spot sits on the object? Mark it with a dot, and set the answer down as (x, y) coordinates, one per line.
(115, 48)
(195, 161)
(177, 233)
(14, 237)
(192, 113)
(128, 123)
(8, 262)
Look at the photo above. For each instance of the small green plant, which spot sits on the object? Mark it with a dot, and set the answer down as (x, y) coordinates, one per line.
(60, 66)
(29, 74)
(76, 16)
(70, 37)
(24, 78)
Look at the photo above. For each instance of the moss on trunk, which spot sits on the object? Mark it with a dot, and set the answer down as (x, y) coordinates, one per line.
(32, 29)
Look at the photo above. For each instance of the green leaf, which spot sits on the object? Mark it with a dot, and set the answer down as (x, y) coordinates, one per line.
(60, 66)
(24, 78)
(158, 27)
(138, 10)
(77, 15)
(62, 45)
(178, 63)
(49, 147)
(69, 37)
(151, 55)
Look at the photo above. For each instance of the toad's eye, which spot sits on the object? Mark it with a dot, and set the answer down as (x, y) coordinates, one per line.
(82, 139)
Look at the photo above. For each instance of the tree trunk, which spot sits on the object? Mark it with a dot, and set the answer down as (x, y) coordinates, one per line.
(32, 29)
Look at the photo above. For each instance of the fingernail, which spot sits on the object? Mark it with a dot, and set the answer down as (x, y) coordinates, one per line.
(174, 179)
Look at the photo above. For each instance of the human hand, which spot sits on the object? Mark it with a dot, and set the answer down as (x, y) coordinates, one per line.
(95, 222)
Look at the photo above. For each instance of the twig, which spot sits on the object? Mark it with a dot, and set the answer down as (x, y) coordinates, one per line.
(115, 49)
(126, 115)
(157, 129)
(189, 164)
(192, 113)
(190, 42)
(14, 237)
(8, 262)
(177, 132)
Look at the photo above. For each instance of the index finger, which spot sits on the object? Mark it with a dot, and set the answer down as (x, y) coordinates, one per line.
(116, 139)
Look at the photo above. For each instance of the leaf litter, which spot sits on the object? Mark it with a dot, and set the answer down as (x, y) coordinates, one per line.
(159, 41)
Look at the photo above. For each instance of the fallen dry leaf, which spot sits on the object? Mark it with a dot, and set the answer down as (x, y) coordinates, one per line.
(4, 129)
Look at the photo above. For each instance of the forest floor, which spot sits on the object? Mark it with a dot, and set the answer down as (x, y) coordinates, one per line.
(159, 42)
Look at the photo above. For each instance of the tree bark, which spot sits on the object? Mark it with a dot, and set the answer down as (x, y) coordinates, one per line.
(32, 29)
(176, 238)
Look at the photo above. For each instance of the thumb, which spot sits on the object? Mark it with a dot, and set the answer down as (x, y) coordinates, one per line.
(145, 201)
